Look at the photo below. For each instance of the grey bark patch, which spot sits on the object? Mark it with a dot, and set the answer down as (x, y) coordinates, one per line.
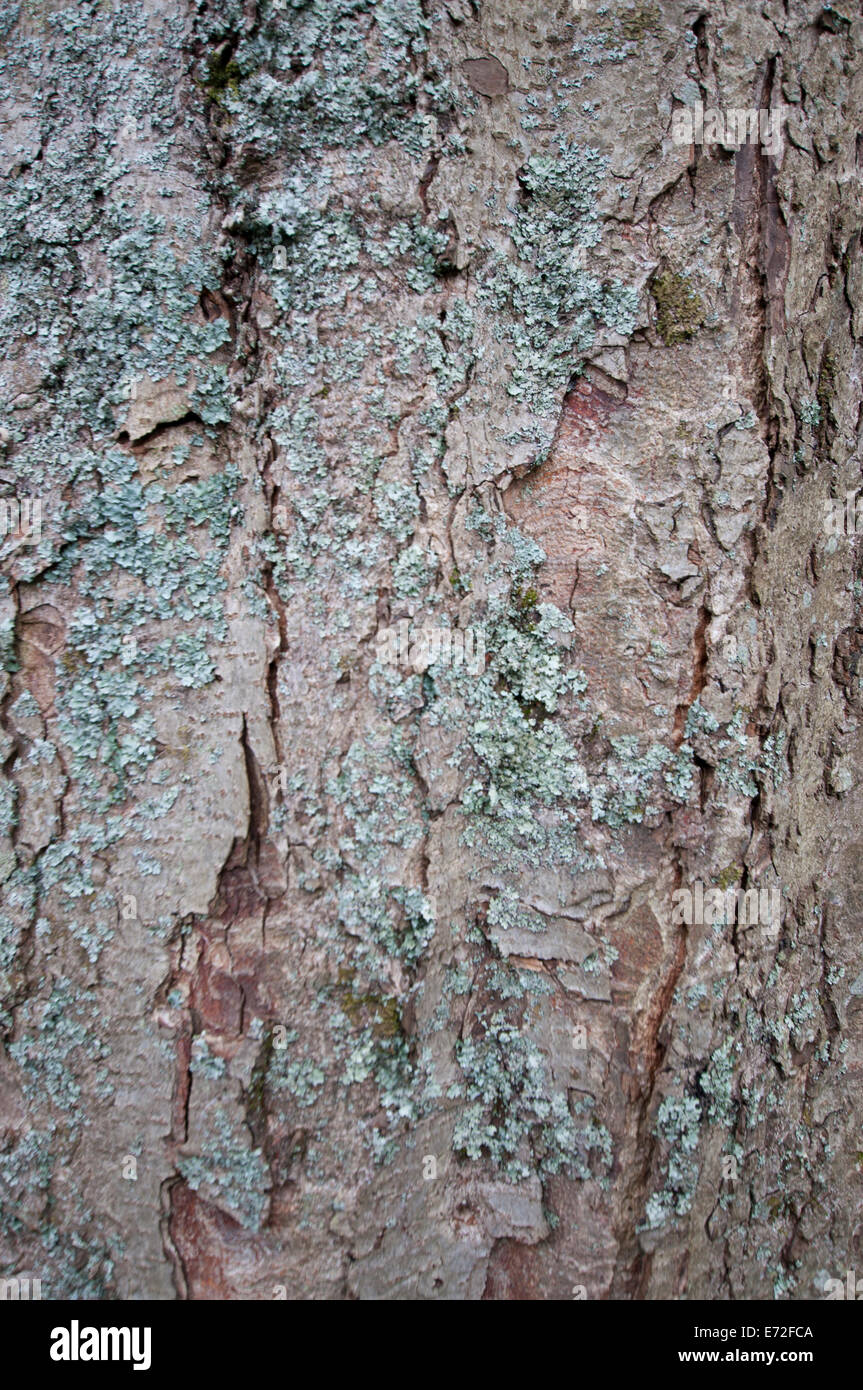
(487, 76)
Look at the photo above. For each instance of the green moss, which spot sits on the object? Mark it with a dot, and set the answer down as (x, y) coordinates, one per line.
(383, 1010)
(732, 873)
(637, 23)
(524, 600)
(223, 75)
(679, 311)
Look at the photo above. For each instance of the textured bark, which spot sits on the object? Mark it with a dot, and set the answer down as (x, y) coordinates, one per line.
(326, 977)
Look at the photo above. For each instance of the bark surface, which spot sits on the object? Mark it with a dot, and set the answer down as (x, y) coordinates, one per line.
(332, 966)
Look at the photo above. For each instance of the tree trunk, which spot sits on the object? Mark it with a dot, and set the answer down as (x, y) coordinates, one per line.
(431, 719)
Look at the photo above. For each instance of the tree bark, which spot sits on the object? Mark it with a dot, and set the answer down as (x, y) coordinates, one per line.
(431, 717)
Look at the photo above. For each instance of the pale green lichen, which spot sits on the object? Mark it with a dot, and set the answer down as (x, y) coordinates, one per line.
(549, 305)
(717, 1083)
(235, 1173)
(677, 1125)
(513, 1114)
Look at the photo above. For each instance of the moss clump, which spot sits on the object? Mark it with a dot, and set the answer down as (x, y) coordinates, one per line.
(638, 23)
(525, 600)
(679, 311)
(223, 75)
(382, 1011)
(731, 874)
